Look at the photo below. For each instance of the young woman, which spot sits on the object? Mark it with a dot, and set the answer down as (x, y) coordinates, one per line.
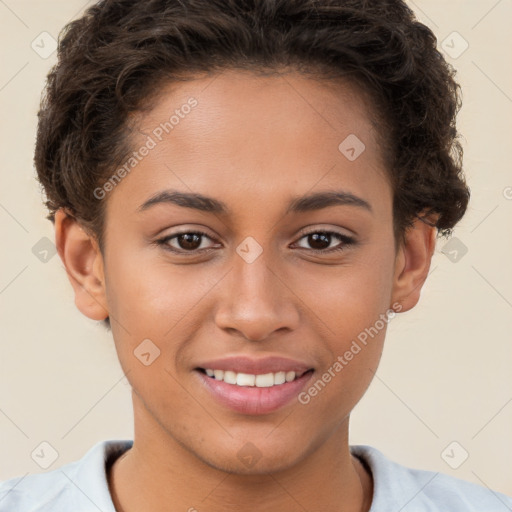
(242, 191)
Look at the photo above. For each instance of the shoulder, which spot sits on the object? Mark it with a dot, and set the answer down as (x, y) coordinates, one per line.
(397, 487)
(80, 485)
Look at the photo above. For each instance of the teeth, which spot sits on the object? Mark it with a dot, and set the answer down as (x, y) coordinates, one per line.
(230, 377)
(265, 380)
(280, 377)
(246, 379)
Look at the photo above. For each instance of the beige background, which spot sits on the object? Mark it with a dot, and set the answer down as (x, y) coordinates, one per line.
(445, 373)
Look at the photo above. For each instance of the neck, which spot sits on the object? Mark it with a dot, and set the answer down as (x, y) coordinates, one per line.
(158, 471)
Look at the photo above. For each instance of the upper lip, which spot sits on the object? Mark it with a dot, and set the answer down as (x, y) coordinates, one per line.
(259, 366)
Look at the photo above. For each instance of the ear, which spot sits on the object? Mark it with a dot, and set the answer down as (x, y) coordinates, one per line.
(83, 261)
(412, 263)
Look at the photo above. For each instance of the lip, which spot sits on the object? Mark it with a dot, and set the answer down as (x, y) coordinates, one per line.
(253, 400)
(259, 366)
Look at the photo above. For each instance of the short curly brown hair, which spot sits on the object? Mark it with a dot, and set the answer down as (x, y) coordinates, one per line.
(113, 61)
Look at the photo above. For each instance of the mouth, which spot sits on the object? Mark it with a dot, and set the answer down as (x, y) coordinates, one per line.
(262, 380)
(253, 394)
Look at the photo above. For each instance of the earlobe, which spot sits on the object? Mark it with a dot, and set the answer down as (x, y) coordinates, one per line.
(83, 261)
(412, 264)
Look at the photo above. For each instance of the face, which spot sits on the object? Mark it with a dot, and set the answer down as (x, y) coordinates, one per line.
(257, 272)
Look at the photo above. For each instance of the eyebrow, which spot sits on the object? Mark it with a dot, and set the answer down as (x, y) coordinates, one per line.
(312, 202)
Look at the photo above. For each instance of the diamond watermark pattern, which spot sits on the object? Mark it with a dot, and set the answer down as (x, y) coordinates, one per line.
(454, 45)
(352, 147)
(454, 250)
(249, 250)
(44, 455)
(44, 250)
(454, 455)
(249, 454)
(44, 45)
(146, 352)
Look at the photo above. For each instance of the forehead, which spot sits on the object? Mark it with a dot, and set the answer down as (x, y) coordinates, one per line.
(236, 133)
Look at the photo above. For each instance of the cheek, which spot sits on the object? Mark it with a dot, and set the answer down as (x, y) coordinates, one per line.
(354, 308)
(154, 309)
(352, 296)
(148, 294)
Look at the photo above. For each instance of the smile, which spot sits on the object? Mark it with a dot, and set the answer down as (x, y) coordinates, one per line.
(253, 394)
(264, 380)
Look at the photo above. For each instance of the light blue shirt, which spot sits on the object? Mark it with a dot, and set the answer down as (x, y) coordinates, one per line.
(82, 486)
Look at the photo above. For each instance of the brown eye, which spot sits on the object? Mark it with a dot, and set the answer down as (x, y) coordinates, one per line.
(320, 241)
(187, 241)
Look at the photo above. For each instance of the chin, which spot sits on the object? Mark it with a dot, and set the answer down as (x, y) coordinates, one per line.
(258, 457)
(262, 467)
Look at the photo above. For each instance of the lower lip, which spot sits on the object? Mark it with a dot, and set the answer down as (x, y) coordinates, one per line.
(254, 400)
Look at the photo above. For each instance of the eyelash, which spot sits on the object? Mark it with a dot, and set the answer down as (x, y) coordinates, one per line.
(346, 241)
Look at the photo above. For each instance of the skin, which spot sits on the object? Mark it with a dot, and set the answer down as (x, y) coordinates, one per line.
(253, 143)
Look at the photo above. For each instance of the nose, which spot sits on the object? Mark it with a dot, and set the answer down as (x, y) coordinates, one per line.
(256, 300)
